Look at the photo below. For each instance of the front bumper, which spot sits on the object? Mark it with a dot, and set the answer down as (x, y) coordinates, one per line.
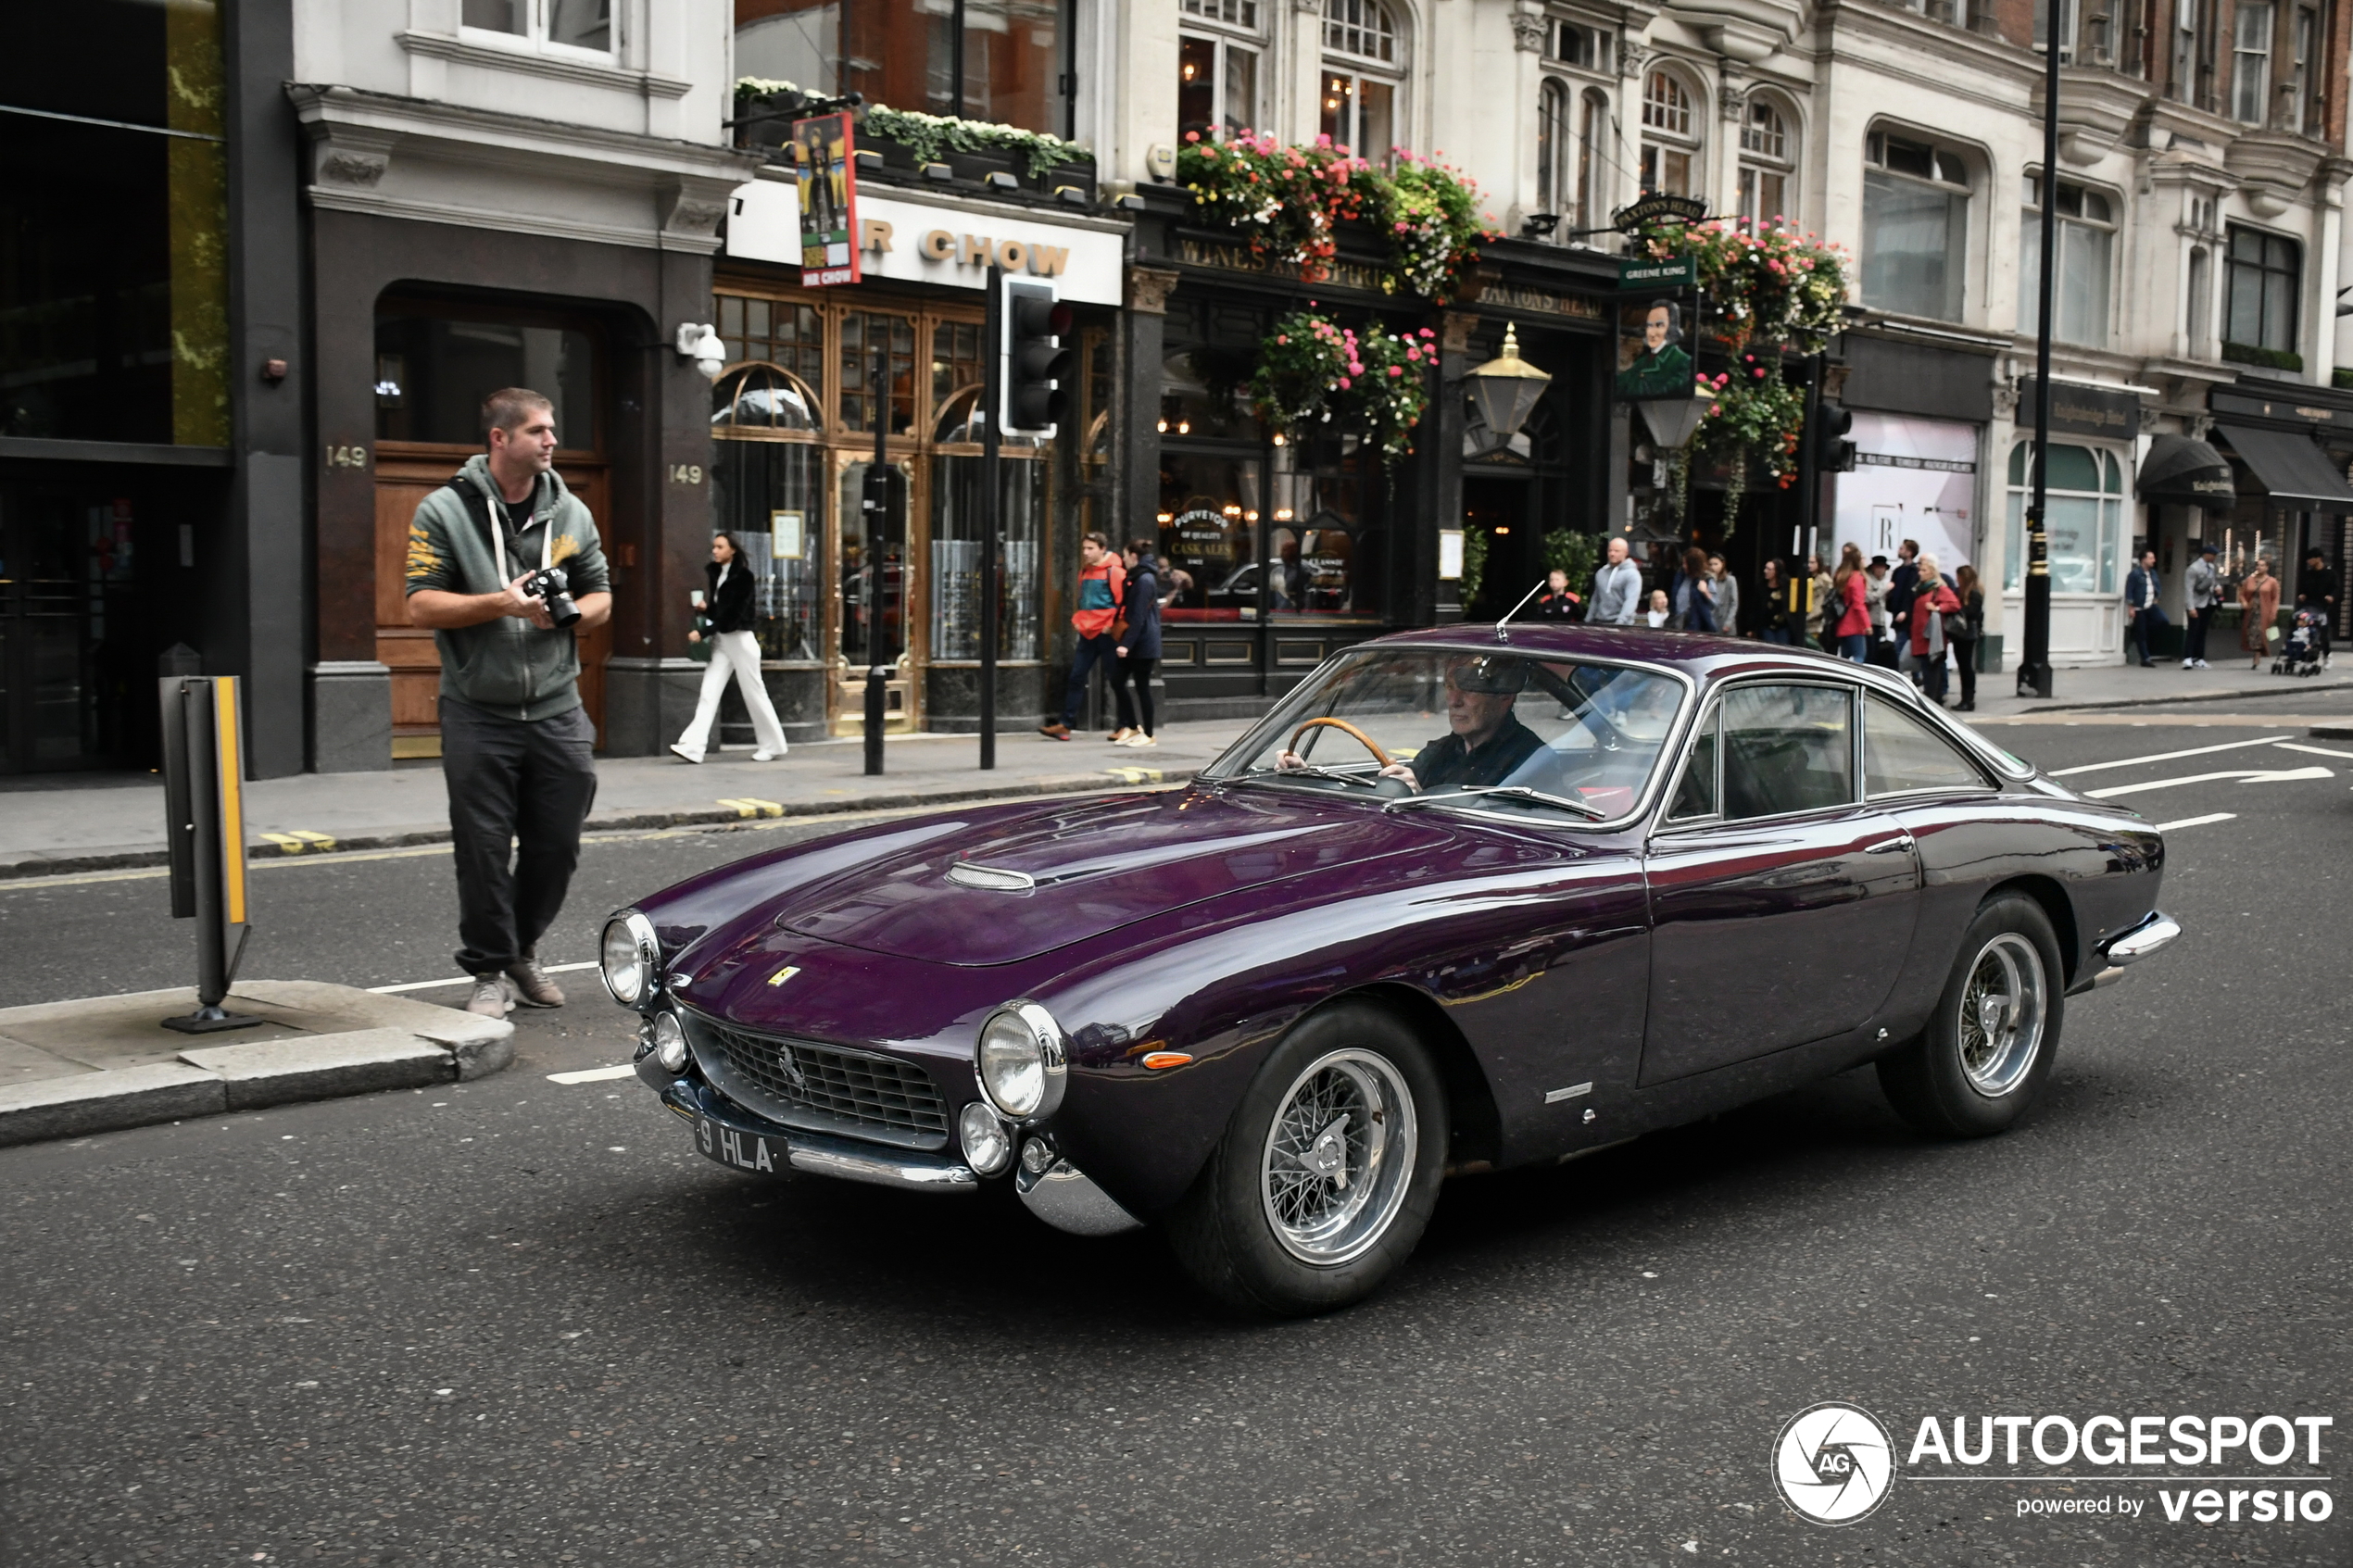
(813, 1152)
(2132, 943)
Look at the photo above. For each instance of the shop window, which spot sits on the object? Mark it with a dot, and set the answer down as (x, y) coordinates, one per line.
(1670, 142)
(2084, 514)
(433, 371)
(1218, 55)
(1916, 198)
(114, 319)
(768, 490)
(865, 339)
(774, 331)
(563, 26)
(1315, 558)
(2250, 63)
(1768, 161)
(1364, 65)
(1005, 66)
(2086, 262)
(1209, 517)
(2264, 272)
(957, 533)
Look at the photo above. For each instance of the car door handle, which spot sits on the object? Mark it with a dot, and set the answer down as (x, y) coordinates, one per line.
(1891, 845)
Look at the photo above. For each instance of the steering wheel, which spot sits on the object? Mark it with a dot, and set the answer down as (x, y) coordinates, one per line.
(1383, 758)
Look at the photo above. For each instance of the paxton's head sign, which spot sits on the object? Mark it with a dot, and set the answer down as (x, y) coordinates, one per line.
(1652, 360)
(824, 152)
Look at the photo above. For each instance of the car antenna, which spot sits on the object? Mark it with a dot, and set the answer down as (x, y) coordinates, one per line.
(1503, 636)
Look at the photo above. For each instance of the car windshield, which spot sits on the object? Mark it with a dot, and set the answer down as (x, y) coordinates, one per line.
(1458, 730)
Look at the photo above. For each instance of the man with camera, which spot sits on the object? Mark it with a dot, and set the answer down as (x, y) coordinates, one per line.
(505, 567)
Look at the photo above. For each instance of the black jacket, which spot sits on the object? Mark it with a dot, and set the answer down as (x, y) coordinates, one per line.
(1142, 640)
(729, 604)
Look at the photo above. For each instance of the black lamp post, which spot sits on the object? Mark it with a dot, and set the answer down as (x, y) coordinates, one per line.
(2034, 662)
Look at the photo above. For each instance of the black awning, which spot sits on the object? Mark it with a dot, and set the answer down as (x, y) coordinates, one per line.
(2182, 471)
(2293, 470)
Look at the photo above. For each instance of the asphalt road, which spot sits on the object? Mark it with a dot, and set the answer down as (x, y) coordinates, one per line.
(517, 1321)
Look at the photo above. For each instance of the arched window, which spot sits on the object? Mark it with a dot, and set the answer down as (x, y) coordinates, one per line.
(1590, 155)
(761, 399)
(767, 489)
(1364, 64)
(1916, 202)
(1768, 163)
(1554, 133)
(1670, 142)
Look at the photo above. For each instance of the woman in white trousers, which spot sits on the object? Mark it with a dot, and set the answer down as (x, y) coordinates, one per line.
(735, 651)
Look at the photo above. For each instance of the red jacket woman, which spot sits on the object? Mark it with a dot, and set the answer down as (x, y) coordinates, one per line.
(1939, 599)
(1854, 590)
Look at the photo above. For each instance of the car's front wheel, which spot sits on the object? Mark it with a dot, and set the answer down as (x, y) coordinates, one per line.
(1328, 1172)
(1989, 1045)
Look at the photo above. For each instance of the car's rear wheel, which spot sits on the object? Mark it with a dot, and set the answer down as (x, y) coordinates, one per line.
(1990, 1043)
(1328, 1172)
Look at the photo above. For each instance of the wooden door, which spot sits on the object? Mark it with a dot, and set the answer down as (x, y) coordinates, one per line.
(405, 476)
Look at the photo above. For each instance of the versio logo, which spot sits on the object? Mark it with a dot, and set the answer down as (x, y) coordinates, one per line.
(1833, 1463)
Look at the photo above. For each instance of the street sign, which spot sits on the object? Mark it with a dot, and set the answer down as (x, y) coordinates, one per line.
(825, 153)
(1641, 273)
(1658, 207)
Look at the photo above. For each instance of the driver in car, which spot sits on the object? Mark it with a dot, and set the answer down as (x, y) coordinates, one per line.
(1485, 742)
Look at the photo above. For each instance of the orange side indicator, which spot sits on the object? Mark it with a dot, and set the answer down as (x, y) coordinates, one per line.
(1158, 1060)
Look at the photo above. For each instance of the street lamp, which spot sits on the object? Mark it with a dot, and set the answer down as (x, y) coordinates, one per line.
(1505, 390)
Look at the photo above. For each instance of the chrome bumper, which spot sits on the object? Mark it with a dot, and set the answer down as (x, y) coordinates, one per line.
(2137, 942)
(821, 1156)
(1068, 1199)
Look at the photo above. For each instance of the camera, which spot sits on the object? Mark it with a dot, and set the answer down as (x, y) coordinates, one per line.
(551, 588)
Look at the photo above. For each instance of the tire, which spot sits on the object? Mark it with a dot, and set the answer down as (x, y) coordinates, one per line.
(1274, 1225)
(1989, 1047)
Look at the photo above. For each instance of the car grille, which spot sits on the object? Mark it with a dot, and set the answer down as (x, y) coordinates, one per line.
(824, 1088)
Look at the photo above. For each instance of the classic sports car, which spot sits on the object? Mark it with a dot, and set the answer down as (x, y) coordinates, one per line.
(1468, 899)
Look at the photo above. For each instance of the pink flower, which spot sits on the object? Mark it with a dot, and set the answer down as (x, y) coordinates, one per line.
(1282, 337)
(1343, 384)
(1396, 370)
(1192, 135)
(1428, 333)
(1210, 153)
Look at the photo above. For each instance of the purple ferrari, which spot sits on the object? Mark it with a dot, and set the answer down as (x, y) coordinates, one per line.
(1469, 899)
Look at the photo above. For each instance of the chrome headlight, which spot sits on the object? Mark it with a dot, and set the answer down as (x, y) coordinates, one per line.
(628, 958)
(1020, 1061)
(988, 1148)
(670, 1043)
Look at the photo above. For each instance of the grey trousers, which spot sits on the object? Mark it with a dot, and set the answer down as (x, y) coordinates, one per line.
(519, 793)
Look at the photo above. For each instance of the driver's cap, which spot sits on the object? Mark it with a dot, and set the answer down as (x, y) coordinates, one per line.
(1495, 674)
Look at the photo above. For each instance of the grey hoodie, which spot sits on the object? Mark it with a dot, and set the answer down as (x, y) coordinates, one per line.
(508, 667)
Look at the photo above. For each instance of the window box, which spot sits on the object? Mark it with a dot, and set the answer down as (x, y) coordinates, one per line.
(2270, 359)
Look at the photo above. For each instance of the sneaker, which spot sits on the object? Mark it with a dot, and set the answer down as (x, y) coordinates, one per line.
(689, 755)
(1119, 736)
(489, 997)
(1054, 732)
(765, 756)
(1138, 739)
(532, 986)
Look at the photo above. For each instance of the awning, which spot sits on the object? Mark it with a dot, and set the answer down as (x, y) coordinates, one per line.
(2181, 472)
(2291, 469)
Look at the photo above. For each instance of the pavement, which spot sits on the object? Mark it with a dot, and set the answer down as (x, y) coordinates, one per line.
(520, 1320)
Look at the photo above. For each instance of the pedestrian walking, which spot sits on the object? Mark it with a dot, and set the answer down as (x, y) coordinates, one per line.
(1777, 620)
(1658, 614)
(731, 604)
(2202, 586)
(1875, 580)
(2316, 590)
(2258, 609)
(1901, 581)
(1963, 631)
(1100, 579)
(1852, 596)
(1556, 603)
(1726, 600)
(1618, 589)
(518, 751)
(1692, 594)
(1136, 652)
(2142, 588)
(1932, 600)
(1820, 623)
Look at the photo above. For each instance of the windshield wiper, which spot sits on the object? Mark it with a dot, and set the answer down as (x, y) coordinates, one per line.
(1310, 772)
(1513, 792)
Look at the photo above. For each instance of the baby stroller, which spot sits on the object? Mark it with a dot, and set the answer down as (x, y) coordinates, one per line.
(2306, 650)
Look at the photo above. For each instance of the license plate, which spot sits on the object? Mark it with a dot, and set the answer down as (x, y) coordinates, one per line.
(737, 1149)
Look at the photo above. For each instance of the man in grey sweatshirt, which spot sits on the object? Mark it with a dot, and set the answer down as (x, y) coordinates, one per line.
(1617, 590)
(518, 752)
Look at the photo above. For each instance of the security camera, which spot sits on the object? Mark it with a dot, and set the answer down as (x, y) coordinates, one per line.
(698, 341)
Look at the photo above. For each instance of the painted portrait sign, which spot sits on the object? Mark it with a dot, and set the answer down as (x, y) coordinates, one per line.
(1654, 353)
(825, 152)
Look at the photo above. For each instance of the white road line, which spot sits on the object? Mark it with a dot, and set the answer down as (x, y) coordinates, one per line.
(468, 979)
(2315, 750)
(2167, 756)
(2198, 821)
(2243, 775)
(592, 1075)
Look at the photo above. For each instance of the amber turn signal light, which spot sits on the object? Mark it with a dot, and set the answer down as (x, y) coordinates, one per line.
(1158, 1060)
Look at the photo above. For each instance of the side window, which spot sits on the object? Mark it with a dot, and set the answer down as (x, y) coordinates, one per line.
(1787, 748)
(1695, 793)
(1901, 752)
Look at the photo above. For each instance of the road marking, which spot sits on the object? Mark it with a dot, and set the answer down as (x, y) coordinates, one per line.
(298, 840)
(2167, 756)
(593, 1075)
(2243, 775)
(2198, 821)
(1134, 775)
(468, 979)
(747, 806)
(2315, 751)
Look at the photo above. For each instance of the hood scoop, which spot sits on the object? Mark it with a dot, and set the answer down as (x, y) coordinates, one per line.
(963, 873)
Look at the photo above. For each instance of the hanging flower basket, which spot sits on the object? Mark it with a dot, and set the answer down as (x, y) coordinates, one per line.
(1767, 284)
(1313, 372)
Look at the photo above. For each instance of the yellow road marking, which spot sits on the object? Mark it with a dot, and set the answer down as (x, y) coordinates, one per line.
(296, 840)
(1134, 775)
(747, 806)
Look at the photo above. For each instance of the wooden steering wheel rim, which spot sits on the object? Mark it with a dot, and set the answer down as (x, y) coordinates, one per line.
(1369, 743)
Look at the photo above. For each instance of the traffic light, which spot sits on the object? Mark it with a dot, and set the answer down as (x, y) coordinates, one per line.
(1037, 365)
(1832, 452)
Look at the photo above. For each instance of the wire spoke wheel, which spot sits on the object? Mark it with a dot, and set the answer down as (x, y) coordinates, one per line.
(1339, 1159)
(2003, 1010)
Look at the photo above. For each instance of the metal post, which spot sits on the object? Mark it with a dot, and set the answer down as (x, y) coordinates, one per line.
(992, 390)
(2034, 662)
(877, 700)
(207, 837)
(1809, 493)
(877, 504)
